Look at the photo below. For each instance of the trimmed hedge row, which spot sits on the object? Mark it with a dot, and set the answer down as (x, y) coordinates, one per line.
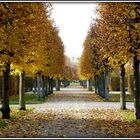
(14, 84)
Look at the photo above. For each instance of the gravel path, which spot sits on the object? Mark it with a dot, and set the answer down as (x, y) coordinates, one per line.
(69, 114)
(72, 112)
(76, 97)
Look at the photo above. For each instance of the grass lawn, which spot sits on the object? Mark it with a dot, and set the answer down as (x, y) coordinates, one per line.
(116, 97)
(129, 116)
(29, 99)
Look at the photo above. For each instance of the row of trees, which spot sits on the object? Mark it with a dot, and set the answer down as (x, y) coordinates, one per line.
(112, 41)
(68, 74)
(29, 44)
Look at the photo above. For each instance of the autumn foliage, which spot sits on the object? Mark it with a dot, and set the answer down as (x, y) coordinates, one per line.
(30, 44)
(112, 41)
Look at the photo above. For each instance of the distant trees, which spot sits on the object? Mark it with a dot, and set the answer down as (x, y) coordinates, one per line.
(68, 71)
(86, 71)
(115, 40)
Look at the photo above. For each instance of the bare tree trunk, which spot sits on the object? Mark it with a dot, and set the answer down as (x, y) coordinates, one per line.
(5, 109)
(122, 87)
(136, 88)
(100, 86)
(57, 84)
(82, 83)
(35, 85)
(89, 85)
(46, 86)
(103, 86)
(43, 92)
(65, 83)
(85, 83)
(130, 84)
(38, 86)
(51, 80)
(49, 83)
(106, 85)
(22, 91)
(96, 84)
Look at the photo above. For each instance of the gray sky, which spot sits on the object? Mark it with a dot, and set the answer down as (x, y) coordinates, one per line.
(73, 20)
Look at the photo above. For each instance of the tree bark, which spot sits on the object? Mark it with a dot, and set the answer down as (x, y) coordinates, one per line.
(46, 93)
(106, 85)
(87, 84)
(96, 84)
(5, 109)
(100, 86)
(103, 86)
(82, 83)
(65, 83)
(90, 84)
(122, 87)
(136, 88)
(130, 84)
(43, 92)
(49, 89)
(51, 80)
(57, 84)
(38, 86)
(22, 91)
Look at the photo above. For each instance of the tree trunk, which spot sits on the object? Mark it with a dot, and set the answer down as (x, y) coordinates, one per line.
(5, 109)
(46, 93)
(87, 84)
(106, 85)
(43, 92)
(57, 84)
(38, 86)
(96, 84)
(82, 83)
(65, 83)
(103, 86)
(100, 86)
(122, 87)
(90, 84)
(22, 91)
(136, 88)
(130, 84)
(51, 85)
